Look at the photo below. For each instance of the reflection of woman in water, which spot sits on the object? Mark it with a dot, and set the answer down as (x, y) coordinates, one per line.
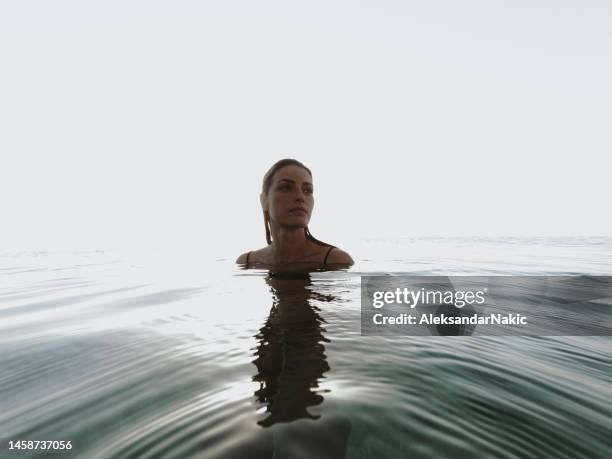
(290, 361)
(290, 356)
(287, 202)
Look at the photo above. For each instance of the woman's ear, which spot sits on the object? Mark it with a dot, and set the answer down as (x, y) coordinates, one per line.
(263, 201)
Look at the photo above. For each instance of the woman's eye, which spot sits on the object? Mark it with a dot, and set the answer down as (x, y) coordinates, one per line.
(289, 187)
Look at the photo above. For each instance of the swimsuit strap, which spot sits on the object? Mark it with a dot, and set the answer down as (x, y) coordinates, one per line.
(247, 260)
(327, 255)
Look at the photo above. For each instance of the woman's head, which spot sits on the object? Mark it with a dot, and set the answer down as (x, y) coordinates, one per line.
(287, 196)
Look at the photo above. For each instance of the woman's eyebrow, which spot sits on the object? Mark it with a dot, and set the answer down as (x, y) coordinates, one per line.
(293, 181)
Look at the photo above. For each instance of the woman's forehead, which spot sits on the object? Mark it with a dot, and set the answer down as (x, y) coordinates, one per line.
(293, 173)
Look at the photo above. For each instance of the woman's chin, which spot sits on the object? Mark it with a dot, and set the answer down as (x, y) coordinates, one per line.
(295, 223)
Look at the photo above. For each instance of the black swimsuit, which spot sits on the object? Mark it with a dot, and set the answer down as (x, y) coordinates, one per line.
(327, 255)
(324, 260)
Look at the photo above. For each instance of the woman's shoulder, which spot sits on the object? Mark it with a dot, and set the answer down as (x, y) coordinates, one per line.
(242, 259)
(248, 256)
(337, 256)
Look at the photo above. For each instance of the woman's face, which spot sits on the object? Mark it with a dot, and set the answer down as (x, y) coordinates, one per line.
(290, 198)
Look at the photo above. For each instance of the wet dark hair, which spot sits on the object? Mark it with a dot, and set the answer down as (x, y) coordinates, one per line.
(267, 183)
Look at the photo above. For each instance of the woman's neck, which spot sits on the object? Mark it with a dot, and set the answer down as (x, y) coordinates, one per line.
(289, 244)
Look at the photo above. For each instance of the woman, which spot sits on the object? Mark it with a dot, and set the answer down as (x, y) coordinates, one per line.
(287, 202)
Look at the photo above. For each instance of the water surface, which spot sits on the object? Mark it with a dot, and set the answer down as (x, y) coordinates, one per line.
(132, 355)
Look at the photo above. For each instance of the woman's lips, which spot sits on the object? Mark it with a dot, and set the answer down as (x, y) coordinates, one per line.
(303, 211)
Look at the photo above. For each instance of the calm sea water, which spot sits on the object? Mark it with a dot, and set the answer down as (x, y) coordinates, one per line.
(176, 355)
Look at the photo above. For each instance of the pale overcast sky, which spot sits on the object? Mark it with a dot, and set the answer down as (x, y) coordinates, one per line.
(152, 122)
